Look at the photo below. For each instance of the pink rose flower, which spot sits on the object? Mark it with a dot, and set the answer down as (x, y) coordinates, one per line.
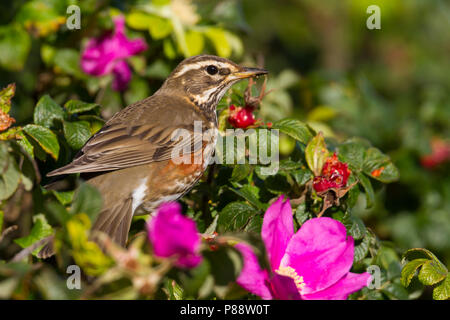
(312, 264)
(108, 53)
(174, 235)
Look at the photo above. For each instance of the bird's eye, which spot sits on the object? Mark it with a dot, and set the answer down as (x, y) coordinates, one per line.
(212, 70)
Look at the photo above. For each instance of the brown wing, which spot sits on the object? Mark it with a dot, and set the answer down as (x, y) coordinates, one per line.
(146, 139)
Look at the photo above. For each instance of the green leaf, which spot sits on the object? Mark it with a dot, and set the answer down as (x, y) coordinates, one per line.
(54, 287)
(25, 143)
(6, 94)
(250, 193)
(193, 280)
(76, 106)
(235, 216)
(169, 50)
(357, 229)
(241, 171)
(277, 184)
(45, 138)
(418, 253)
(46, 111)
(294, 128)
(316, 154)
(301, 215)
(302, 176)
(40, 230)
(387, 256)
(254, 225)
(4, 156)
(219, 39)
(352, 152)
(138, 20)
(2, 214)
(361, 249)
(368, 189)
(235, 43)
(396, 291)
(9, 176)
(159, 28)
(15, 44)
(431, 273)
(175, 291)
(388, 173)
(226, 265)
(58, 211)
(289, 165)
(442, 291)
(375, 161)
(409, 270)
(64, 197)
(213, 226)
(77, 133)
(68, 60)
(195, 42)
(88, 200)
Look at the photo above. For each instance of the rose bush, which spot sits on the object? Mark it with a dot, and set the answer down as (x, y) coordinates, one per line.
(336, 208)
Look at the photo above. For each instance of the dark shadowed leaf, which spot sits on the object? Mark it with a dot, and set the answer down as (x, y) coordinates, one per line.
(396, 291)
(235, 216)
(250, 193)
(368, 189)
(88, 200)
(9, 173)
(302, 176)
(241, 171)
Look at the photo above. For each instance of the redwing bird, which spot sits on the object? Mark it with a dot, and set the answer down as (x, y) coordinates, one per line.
(130, 160)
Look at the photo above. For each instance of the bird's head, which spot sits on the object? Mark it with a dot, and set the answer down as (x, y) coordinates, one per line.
(206, 78)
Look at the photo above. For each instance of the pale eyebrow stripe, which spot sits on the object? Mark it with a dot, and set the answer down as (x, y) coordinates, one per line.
(199, 65)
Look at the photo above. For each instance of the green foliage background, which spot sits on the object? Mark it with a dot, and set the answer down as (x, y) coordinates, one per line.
(389, 87)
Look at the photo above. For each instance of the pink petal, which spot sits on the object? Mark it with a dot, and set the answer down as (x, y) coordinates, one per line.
(252, 278)
(123, 46)
(101, 54)
(320, 252)
(122, 75)
(174, 235)
(350, 283)
(277, 230)
(119, 24)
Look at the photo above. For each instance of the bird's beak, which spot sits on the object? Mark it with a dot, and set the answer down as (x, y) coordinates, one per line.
(245, 72)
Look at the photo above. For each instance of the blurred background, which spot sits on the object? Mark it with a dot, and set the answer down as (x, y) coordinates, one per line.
(390, 86)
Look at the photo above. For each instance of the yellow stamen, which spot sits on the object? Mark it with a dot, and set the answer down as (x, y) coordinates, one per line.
(291, 273)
